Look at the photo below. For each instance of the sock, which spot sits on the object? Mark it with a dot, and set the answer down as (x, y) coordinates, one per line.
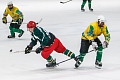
(50, 59)
(69, 53)
(99, 53)
(81, 56)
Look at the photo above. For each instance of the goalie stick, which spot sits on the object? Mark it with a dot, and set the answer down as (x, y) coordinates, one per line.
(65, 1)
(25, 22)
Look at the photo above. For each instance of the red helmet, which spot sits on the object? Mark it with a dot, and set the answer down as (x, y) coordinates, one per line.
(31, 24)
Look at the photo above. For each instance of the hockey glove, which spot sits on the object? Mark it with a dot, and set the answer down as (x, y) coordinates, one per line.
(4, 20)
(105, 44)
(94, 45)
(28, 49)
(38, 50)
(20, 21)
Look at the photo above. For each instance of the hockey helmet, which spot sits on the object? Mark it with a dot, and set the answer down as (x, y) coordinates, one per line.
(10, 3)
(101, 18)
(31, 24)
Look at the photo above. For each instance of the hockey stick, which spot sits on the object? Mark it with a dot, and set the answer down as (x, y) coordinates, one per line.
(16, 22)
(20, 51)
(25, 22)
(65, 1)
(39, 21)
(70, 58)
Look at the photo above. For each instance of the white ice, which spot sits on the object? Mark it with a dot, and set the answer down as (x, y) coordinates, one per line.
(67, 22)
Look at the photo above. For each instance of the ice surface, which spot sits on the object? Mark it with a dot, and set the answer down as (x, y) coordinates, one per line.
(67, 22)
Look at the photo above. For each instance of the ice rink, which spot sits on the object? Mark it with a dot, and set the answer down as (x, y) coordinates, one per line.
(67, 22)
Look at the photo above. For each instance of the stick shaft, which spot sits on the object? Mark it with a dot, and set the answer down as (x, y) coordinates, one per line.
(65, 1)
(22, 51)
(25, 22)
(69, 59)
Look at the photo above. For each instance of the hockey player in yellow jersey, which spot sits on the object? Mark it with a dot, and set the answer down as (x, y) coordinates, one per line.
(90, 37)
(17, 19)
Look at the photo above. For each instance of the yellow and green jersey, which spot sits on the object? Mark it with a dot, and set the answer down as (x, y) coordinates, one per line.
(14, 13)
(93, 31)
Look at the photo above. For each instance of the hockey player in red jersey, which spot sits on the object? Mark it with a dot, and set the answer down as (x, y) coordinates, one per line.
(48, 43)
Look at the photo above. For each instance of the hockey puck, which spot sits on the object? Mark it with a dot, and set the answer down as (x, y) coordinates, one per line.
(63, 2)
(11, 50)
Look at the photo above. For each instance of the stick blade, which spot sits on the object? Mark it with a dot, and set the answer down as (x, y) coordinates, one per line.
(63, 2)
(39, 21)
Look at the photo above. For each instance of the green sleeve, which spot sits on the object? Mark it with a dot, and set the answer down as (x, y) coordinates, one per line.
(5, 13)
(90, 31)
(33, 40)
(107, 34)
(20, 13)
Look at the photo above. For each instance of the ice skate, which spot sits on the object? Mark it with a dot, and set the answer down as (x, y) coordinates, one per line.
(91, 9)
(21, 34)
(82, 9)
(10, 36)
(98, 64)
(78, 62)
(51, 64)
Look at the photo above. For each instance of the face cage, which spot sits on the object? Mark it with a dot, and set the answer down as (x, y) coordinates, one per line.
(29, 29)
(10, 6)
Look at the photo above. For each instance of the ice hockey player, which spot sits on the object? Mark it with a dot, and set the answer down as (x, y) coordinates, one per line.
(90, 37)
(48, 43)
(17, 19)
(89, 5)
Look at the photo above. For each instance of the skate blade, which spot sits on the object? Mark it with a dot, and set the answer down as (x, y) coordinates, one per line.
(82, 11)
(51, 67)
(91, 10)
(75, 68)
(98, 67)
